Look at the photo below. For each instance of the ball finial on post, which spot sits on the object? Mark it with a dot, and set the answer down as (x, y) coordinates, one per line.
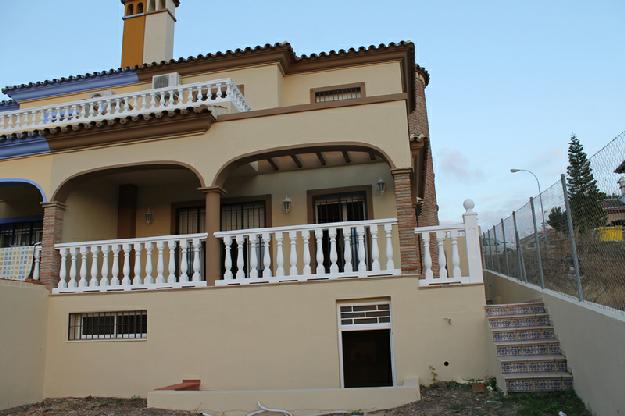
(468, 205)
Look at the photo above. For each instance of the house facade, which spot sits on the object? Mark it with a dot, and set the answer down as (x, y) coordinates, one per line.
(260, 221)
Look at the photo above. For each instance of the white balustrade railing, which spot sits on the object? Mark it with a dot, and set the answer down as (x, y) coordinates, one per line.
(169, 261)
(309, 252)
(214, 93)
(456, 250)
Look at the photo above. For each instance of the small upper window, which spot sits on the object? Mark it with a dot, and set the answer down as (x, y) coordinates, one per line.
(139, 8)
(130, 10)
(347, 92)
(151, 6)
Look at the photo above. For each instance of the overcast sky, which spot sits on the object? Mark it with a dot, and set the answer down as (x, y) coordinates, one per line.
(509, 83)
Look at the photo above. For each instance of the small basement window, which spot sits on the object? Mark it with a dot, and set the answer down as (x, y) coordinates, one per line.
(338, 93)
(365, 343)
(108, 325)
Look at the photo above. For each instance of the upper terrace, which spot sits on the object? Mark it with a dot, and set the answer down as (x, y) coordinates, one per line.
(260, 78)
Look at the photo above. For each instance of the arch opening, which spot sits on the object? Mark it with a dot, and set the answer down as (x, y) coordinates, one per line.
(128, 201)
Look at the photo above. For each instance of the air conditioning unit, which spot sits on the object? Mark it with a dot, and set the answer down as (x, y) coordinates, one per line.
(165, 80)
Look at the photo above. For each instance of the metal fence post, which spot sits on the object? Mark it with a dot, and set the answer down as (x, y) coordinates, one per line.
(537, 242)
(569, 220)
(503, 235)
(496, 258)
(519, 255)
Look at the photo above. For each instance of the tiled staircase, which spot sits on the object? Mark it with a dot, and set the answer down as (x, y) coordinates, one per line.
(527, 348)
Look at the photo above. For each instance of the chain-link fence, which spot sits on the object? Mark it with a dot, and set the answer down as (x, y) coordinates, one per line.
(570, 237)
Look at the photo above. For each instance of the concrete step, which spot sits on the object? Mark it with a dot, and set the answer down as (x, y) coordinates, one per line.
(534, 364)
(524, 348)
(523, 334)
(519, 321)
(515, 309)
(538, 382)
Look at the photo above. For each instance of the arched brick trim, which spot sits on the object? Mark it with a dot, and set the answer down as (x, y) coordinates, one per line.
(60, 193)
(27, 181)
(225, 169)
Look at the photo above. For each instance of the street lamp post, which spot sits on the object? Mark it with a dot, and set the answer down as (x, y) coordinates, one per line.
(540, 197)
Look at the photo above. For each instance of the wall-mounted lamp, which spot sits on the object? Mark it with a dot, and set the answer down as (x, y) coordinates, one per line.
(286, 204)
(380, 186)
(148, 216)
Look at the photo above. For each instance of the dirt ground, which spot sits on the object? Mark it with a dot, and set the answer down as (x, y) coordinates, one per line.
(439, 400)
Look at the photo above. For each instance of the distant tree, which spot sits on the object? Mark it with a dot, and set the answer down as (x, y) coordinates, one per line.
(557, 219)
(585, 198)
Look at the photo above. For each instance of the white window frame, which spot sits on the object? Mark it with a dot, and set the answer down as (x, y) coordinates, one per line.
(365, 327)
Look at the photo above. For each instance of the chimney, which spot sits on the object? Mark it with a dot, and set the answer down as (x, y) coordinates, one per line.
(148, 31)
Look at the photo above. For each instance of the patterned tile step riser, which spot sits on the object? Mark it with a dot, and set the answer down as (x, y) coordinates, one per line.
(548, 366)
(532, 349)
(539, 385)
(514, 310)
(519, 322)
(523, 335)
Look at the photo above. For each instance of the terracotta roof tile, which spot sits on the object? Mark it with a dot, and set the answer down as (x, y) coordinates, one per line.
(230, 53)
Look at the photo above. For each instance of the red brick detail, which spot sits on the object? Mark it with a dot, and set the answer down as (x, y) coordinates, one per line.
(406, 220)
(186, 385)
(418, 126)
(53, 213)
(418, 129)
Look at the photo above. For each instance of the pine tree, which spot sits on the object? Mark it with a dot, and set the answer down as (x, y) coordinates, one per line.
(557, 219)
(584, 195)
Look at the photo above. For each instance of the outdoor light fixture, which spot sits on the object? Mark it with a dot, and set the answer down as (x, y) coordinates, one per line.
(621, 185)
(148, 216)
(286, 204)
(380, 186)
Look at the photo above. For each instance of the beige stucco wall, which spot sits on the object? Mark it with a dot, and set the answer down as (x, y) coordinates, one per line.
(380, 79)
(592, 339)
(261, 337)
(23, 308)
(91, 212)
(381, 125)
(265, 86)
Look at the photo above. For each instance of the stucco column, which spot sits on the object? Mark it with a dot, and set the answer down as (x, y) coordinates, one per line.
(53, 213)
(212, 255)
(406, 220)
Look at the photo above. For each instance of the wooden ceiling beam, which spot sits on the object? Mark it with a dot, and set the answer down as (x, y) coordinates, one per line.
(322, 159)
(273, 164)
(297, 162)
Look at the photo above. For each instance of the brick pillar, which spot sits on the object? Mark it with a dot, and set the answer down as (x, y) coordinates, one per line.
(405, 205)
(53, 213)
(212, 256)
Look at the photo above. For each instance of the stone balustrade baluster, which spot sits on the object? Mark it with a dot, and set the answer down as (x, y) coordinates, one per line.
(94, 278)
(171, 276)
(104, 271)
(197, 245)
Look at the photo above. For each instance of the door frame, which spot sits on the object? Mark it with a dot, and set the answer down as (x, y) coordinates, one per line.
(369, 327)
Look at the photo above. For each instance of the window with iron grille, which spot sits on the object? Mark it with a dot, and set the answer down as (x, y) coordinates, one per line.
(338, 94)
(108, 325)
(20, 233)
